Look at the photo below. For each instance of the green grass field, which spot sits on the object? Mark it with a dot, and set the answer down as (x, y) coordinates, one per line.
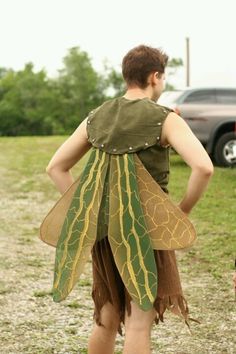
(32, 323)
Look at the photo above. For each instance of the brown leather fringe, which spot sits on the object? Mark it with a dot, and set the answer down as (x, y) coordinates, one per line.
(108, 285)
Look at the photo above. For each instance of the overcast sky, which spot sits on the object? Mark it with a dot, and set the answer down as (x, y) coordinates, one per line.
(41, 31)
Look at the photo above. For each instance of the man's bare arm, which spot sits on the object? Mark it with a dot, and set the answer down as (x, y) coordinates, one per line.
(178, 134)
(68, 154)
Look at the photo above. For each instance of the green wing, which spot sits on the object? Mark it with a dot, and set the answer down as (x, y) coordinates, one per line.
(128, 235)
(80, 226)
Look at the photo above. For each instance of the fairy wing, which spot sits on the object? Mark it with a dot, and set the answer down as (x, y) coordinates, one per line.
(128, 234)
(79, 230)
(168, 226)
(51, 226)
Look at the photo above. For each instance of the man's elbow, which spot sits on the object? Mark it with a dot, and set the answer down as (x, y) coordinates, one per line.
(207, 169)
(50, 170)
(55, 170)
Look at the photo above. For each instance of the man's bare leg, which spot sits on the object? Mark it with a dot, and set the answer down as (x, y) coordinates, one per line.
(102, 339)
(138, 330)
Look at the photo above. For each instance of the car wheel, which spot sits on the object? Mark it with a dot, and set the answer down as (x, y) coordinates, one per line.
(225, 150)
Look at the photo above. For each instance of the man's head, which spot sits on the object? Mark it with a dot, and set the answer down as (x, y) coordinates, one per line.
(144, 66)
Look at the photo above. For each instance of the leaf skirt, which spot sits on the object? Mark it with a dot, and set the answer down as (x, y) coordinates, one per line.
(109, 287)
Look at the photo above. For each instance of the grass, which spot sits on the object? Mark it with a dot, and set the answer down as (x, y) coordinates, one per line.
(214, 219)
(30, 322)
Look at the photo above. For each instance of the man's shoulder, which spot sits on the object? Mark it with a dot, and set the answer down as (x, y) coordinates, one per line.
(155, 112)
(143, 105)
(157, 107)
(107, 103)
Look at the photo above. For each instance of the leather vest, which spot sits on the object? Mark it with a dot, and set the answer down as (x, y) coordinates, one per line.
(121, 126)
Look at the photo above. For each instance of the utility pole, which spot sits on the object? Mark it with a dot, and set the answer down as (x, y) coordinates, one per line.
(187, 63)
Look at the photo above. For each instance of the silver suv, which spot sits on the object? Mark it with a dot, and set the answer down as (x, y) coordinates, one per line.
(211, 114)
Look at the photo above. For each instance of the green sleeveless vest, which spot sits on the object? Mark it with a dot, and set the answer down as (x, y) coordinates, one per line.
(126, 126)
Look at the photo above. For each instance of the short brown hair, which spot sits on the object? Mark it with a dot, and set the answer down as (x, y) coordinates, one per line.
(141, 61)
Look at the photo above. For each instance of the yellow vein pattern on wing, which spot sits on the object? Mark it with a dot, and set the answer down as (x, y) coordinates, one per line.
(169, 228)
(121, 212)
(87, 221)
(83, 189)
(133, 218)
(128, 234)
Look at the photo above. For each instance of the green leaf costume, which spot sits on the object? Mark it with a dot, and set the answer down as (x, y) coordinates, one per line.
(118, 195)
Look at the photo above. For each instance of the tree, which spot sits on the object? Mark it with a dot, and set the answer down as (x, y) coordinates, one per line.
(27, 103)
(173, 65)
(114, 82)
(30, 103)
(82, 88)
(33, 104)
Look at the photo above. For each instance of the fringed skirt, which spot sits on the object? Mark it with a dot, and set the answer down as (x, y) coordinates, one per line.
(109, 287)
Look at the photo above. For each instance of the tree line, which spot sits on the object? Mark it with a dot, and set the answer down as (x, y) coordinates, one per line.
(31, 103)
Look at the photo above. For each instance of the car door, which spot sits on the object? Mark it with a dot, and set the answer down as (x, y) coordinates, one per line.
(196, 108)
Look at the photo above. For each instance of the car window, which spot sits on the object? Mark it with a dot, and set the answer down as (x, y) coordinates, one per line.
(167, 98)
(201, 96)
(226, 96)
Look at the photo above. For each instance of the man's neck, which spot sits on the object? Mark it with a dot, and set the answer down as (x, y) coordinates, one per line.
(134, 93)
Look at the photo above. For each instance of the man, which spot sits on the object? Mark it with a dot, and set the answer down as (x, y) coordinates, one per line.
(128, 125)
